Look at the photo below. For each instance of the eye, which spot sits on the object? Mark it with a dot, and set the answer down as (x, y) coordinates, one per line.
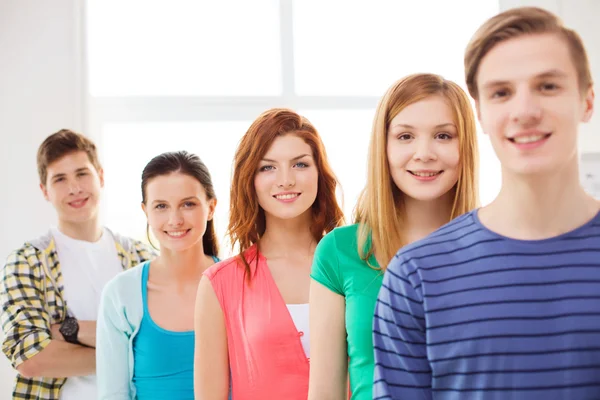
(265, 168)
(404, 136)
(500, 93)
(548, 87)
(160, 206)
(189, 204)
(82, 174)
(59, 179)
(301, 164)
(444, 136)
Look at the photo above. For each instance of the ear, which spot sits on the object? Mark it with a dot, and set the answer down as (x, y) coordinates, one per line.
(144, 210)
(589, 105)
(101, 177)
(212, 204)
(44, 191)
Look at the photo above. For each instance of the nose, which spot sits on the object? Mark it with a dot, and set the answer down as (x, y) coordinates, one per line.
(74, 187)
(424, 151)
(286, 178)
(526, 111)
(175, 218)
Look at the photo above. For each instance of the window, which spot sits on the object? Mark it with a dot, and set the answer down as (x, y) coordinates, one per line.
(193, 75)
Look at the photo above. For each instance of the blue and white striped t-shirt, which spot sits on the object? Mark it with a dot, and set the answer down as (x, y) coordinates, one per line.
(468, 314)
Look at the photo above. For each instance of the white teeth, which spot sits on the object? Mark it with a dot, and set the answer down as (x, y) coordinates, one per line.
(177, 234)
(287, 196)
(426, 174)
(528, 139)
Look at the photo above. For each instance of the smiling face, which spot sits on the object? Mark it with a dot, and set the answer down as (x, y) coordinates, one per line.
(286, 181)
(530, 103)
(422, 149)
(73, 186)
(177, 209)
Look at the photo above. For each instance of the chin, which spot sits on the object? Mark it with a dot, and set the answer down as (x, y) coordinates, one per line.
(288, 214)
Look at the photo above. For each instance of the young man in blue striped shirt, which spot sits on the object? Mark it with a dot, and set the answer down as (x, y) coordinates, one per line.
(504, 302)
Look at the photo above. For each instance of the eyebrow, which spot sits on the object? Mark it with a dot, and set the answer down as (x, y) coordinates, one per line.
(406, 126)
(553, 73)
(181, 201)
(293, 159)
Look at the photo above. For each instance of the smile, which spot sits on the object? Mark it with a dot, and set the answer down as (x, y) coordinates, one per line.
(177, 234)
(425, 174)
(287, 196)
(529, 138)
(79, 203)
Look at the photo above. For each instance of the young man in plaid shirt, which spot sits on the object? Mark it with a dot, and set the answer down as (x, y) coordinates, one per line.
(50, 287)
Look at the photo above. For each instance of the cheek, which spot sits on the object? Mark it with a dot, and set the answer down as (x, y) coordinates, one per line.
(399, 155)
(450, 155)
(309, 178)
(262, 184)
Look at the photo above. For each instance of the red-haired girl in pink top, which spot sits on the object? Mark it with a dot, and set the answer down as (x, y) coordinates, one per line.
(252, 309)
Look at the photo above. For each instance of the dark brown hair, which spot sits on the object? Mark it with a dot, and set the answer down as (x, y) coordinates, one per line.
(191, 165)
(58, 145)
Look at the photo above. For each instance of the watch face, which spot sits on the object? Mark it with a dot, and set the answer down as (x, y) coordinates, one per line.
(69, 327)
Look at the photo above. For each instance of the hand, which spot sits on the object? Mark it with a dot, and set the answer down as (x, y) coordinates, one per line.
(55, 332)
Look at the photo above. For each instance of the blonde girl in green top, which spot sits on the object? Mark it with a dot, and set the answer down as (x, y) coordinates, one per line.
(421, 174)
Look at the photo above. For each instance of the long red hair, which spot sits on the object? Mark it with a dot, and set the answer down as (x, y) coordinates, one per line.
(247, 221)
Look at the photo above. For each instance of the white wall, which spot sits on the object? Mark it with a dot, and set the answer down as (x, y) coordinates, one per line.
(39, 94)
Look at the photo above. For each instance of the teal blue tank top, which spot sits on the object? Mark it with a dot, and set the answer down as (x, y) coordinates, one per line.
(163, 360)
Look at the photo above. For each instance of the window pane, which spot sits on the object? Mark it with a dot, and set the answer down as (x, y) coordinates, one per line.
(360, 48)
(183, 47)
(346, 135)
(131, 146)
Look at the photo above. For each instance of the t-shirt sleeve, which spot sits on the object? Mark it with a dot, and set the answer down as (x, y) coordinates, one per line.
(325, 267)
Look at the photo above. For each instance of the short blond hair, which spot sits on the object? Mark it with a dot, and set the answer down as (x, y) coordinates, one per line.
(518, 22)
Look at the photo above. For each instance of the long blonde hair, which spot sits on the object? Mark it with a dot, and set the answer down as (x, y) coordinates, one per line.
(379, 210)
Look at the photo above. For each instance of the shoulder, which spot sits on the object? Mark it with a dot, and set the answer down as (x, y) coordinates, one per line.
(28, 256)
(126, 285)
(340, 239)
(136, 249)
(439, 247)
(445, 236)
(224, 269)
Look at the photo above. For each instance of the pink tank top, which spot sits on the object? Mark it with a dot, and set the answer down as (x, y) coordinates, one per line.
(266, 357)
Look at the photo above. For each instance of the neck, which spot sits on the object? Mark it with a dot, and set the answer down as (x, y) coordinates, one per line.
(184, 265)
(424, 217)
(540, 206)
(90, 231)
(287, 236)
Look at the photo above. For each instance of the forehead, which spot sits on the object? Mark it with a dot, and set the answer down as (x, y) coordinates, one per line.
(525, 57)
(429, 112)
(69, 163)
(173, 186)
(286, 147)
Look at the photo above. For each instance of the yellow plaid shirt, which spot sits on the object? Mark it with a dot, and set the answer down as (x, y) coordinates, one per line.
(31, 300)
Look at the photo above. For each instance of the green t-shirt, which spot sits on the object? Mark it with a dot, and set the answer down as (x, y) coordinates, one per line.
(337, 266)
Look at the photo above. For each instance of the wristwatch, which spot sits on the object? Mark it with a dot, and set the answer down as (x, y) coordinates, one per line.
(69, 330)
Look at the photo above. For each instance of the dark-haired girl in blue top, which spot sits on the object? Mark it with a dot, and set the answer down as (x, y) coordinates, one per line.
(145, 339)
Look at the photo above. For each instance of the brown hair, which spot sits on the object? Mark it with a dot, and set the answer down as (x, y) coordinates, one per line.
(247, 221)
(517, 22)
(58, 145)
(191, 165)
(379, 210)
